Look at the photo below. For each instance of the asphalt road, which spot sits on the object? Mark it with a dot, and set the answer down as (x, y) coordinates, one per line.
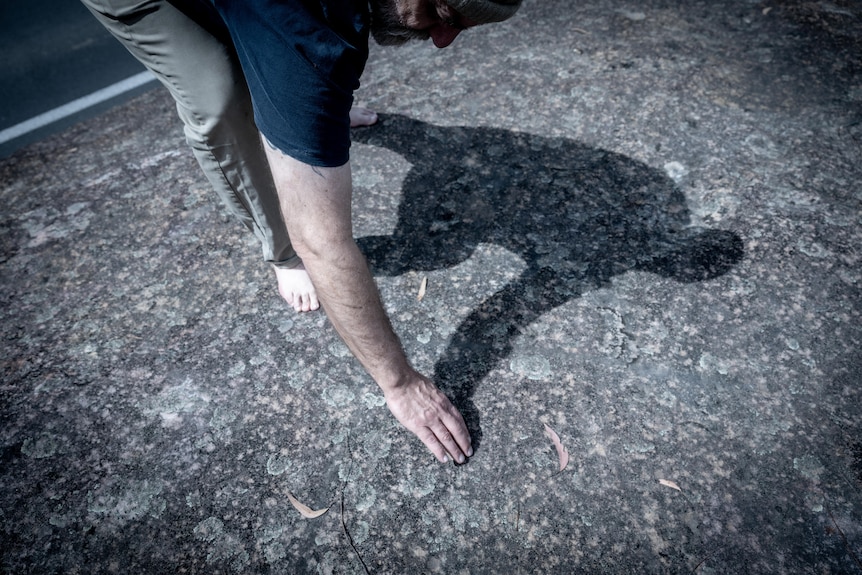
(55, 52)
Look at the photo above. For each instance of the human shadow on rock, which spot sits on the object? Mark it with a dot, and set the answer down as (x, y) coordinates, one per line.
(576, 216)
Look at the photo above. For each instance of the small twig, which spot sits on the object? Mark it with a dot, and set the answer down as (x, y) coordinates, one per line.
(352, 461)
(844, 537)
(697, 424)
(704, 560)
(343, 522)
(349, 538)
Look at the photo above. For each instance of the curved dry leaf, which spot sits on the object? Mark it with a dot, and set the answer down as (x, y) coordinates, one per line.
(669, 483)
(562, 452)
(305, 510)
(422, 287)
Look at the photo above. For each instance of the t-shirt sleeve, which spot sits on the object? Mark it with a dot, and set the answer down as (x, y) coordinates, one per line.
(302, 60)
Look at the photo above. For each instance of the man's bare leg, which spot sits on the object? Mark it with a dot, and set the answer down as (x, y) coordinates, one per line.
(294, 285)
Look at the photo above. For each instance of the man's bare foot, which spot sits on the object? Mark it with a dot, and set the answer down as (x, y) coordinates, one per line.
(296, 288)
(362, 117)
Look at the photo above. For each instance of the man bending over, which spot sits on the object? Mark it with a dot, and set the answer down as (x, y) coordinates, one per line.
(265, 92)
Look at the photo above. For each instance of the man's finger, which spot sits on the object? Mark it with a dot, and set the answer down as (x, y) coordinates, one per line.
(430, 440)
(445, 437)
(457, 427)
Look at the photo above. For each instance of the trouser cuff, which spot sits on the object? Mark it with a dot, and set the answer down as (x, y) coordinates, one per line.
(289, 263)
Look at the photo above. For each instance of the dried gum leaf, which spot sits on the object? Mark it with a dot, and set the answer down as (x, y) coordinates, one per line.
(669, 483)
(305, 510)
(562, 452)
(422, 287)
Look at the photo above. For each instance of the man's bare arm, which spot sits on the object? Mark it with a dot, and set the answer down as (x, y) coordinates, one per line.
(315, 203)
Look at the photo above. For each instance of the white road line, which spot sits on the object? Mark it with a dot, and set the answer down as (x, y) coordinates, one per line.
(75, 106)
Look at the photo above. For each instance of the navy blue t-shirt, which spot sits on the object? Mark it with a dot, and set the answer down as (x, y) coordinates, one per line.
(302, 60)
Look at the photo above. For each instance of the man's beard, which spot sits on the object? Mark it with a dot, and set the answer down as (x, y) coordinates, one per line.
(386, 26)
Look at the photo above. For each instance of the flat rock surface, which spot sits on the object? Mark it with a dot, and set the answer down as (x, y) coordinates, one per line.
(640, 226)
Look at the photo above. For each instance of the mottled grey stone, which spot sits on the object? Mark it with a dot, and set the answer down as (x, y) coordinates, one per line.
(640, 225)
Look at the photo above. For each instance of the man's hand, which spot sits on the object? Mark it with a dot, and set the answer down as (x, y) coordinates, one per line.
(427, 412)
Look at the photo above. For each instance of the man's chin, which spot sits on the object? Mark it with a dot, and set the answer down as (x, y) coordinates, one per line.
(386, 38)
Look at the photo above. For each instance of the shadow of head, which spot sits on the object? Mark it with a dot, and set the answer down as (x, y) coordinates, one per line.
(580, 211)
(575, 215)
